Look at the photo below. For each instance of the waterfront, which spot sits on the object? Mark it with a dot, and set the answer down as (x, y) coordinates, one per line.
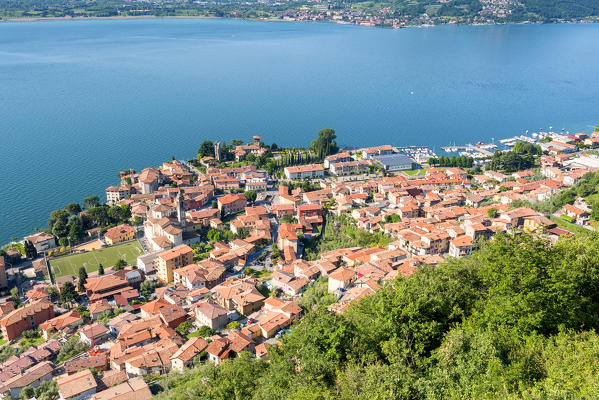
(81, 100)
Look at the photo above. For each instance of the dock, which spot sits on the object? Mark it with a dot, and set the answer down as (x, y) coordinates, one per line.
(476, 151)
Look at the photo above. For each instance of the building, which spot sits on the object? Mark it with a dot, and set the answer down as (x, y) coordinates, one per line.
(208, 274)
(81, 385)
(461, 246)
(134, 388)
(304, 171)
(42, 241)
(231, 203)
(94, 334)
(239, 295)
(119, 234)
(25, 318)
(341, 278)
(211, 314)
(395, 162)
(30, 377)
(65, 323)
(116, 193)
(170, 260)
(187, 353)
(371, 152)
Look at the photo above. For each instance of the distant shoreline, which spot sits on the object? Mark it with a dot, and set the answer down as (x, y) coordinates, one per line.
(121, 17)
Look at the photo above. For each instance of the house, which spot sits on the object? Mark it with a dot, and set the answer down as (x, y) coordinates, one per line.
(281, 209)
(240, 295)
(38, 293)
(304, 171)
(187, 353)
(30, 316)
(259, 186)
(169, 260)
(208, 274)
(65, 323)
(171, 314)
(99, 362)
(341, 279)
(211, 314)
(289, 283)
(498, 176)
(348, 167)
(229, 347)
(94, 334)
(33, 376)
(116, 193)
(97, 308)
(231, 203)
(288, 236)
(580, 217)
(336, 158)
(78, 386)
(42, 241)
(460, 246)
(154, 358)
(119, 234)
(133, 389)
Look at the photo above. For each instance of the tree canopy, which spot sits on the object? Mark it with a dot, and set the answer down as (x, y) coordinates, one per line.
(325, 143)
(515, 320)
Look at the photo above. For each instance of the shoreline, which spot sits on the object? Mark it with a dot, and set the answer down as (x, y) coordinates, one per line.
(134, 17)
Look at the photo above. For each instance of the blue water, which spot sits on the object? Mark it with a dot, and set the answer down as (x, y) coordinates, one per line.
(81, 100)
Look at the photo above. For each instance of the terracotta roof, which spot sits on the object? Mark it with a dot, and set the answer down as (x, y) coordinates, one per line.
(190, 349)
(25, 311)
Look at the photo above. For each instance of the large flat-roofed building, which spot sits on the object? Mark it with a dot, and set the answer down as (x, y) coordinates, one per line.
(396, 162)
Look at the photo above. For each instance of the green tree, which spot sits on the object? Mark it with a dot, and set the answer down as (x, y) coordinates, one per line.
(183, 328)
(30, 250)
(492, 212)
(100, 269)
(205, 331)
(120, 264)
(73, 208)
(325, 143)
(82, 279)
(250, 196)
(206, 149)
(68, 293)
(233, 325)
(91, 201)
(14, 296)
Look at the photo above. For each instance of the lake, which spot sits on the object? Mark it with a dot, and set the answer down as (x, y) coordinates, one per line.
(81, 100)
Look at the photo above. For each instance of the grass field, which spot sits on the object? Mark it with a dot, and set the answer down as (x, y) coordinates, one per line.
(107, 256)
(570, 227)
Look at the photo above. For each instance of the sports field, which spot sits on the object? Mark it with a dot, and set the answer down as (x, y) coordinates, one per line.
(107, 256)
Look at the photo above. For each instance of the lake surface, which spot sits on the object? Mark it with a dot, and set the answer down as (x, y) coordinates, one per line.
(81, 100)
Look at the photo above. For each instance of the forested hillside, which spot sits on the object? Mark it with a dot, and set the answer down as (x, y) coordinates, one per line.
(516, 320)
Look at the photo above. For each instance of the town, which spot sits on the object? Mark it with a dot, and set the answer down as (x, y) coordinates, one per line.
(205, 260)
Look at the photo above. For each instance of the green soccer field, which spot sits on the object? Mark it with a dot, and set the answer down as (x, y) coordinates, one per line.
(107, 256)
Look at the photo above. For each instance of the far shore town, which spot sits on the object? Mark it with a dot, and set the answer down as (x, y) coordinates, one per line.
(197, 261)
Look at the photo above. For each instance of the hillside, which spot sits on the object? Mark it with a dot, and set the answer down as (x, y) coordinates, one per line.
(378, 12)
(516, 320)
